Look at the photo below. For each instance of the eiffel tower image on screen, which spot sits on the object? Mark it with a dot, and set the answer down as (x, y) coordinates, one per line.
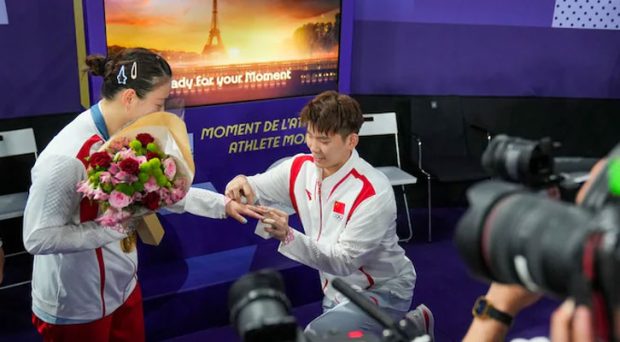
(214, 34)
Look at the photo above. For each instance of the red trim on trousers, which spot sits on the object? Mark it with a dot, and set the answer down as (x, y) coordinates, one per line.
(371, 281)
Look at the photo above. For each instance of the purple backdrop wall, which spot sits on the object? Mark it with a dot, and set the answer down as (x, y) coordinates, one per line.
(38, 70)
(484, 48)
(412, 47)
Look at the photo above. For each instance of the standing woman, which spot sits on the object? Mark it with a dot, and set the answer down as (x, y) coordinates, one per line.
(84, 282)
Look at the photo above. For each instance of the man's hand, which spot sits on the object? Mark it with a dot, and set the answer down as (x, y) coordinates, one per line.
(240, 187)
(570, 324)
(275, 220)
(238, 210)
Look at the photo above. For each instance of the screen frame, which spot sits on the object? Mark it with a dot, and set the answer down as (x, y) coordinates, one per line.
(95, 35)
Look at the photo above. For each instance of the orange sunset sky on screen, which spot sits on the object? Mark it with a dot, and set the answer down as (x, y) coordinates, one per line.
(252, 31)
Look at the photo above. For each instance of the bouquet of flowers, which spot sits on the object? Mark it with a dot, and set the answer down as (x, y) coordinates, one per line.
(142, 168)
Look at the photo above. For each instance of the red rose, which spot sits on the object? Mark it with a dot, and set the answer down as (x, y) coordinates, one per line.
(150, 155)
(151, 200)
(145, 139)
(130, 166)
(101, 159)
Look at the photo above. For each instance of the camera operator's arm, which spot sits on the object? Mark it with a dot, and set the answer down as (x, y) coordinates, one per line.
(362, 234)
(596, 169)
(510, 299)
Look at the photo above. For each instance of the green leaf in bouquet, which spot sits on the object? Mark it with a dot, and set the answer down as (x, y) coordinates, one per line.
(137, 186)
(93, 179)
(125, 188)
(107, 187)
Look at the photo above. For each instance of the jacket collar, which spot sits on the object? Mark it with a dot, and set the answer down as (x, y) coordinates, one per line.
(342, 172)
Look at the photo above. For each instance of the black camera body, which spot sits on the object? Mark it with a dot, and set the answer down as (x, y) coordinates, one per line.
(515, 234)
(533, 165)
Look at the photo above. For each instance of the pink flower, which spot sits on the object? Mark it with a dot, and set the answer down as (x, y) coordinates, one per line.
(166, 196)
(100, 195)
(114, 168)
(125, 177)
(127, 153)
(119, 144)
(85, 188)
(177, 194)
(113, 217)
(105, 177)
(141, 159)
(181, 183)
(151, 185)
(170, 168)
(137, 196)
(119, 200)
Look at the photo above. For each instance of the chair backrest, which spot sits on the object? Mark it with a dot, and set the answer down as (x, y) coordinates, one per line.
(381, 124)
(17, 142)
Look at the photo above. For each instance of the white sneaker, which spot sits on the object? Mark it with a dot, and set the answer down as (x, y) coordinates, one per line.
(423, 319)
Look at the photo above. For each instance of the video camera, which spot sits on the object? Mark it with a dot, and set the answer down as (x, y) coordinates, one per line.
(260, 311)
(532, 163)
(511, 234)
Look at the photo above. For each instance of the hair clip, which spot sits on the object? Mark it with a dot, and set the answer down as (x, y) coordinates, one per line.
(121, 78)
(134, 70)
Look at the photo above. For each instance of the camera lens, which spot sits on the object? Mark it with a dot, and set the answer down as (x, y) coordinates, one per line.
(259, 309)
(519, 160)
(513, 236)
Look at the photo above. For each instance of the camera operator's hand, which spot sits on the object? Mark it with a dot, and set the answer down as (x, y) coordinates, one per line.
(596, 169)
(570, 324)
(240, 187)
(275, 220)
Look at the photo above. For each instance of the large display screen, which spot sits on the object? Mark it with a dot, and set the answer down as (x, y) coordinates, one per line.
(234, 50)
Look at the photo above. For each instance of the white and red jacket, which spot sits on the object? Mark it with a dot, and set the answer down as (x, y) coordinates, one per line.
(349, 220)
(80, 273)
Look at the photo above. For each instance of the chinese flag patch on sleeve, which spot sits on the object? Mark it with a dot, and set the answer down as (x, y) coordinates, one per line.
(339, 208)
